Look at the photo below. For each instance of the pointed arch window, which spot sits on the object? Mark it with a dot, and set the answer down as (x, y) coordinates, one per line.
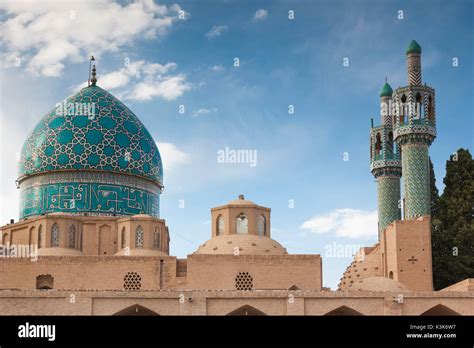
(242, 224)
(156, 238)
(378, 144)
(403, 108)
(72, 236)
(40, 237)
(430, 109)
(418, 105)
(390, 142)
(220, 225)
(139, 237)
(262, 225)
(54, 235)
(123, 238)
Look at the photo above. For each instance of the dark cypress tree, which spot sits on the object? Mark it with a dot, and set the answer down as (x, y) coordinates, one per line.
(453, 226)
(434, 193)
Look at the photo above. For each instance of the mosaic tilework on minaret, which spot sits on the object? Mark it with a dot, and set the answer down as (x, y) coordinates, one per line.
(415, 130)
(385, 163)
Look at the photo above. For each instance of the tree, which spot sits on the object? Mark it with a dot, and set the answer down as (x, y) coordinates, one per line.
(453, 226)
(434, 193)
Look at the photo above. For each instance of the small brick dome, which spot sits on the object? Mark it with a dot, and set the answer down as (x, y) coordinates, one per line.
(381, 284)
(246, 243)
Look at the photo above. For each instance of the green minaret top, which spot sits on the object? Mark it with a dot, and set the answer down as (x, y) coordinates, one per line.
(413, 47)
(386, 90)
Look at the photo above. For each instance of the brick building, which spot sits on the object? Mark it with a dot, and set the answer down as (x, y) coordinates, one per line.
(90, 239)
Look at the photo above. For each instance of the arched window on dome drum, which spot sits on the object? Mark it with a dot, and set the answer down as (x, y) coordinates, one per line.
(123, 238)
(72, 236)
(139, 237)
(262, 225)
(156, 238)
(242, 224)
(40, 237)
(220, 225)
(55, 235)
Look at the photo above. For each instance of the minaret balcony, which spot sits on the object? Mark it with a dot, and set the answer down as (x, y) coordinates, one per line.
(390, 161)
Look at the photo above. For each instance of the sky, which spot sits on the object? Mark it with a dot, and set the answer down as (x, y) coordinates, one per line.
(263, 76)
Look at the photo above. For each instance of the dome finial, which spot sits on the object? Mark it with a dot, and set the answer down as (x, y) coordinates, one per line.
(94, 79)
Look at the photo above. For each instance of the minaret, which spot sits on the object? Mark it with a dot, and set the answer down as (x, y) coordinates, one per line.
(385, 163)
(415, 130)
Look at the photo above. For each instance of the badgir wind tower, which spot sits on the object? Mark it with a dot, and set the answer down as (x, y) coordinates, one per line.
(90, 186)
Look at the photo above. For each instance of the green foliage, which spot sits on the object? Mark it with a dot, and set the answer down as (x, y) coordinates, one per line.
(452, 223)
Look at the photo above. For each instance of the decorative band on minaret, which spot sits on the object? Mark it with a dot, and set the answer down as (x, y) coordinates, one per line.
(385, 163)
(414, 118)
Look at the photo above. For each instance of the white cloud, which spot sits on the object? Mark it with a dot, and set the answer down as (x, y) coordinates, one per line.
(260, 14)
(352, 223)
(141, 80)
(216, 30)
(46, 35)
(203, 111)
(167, 88)
(217, 68)
(172, 157)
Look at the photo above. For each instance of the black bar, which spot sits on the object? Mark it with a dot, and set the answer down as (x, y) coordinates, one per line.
(136, 330)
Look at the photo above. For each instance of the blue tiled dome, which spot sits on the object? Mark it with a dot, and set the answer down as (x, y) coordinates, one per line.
(91, 131)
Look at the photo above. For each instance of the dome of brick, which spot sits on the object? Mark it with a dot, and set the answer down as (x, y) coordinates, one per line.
(57, 251)
(140, 252)
(381, 284)
(247, 244)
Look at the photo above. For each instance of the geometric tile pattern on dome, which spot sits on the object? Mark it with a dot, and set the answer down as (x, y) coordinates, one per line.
(113, 139)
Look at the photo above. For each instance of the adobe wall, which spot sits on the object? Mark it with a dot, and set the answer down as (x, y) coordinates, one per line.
(408, 253)
(200, 302)
(220, 271)
(88, 272)
(95, 235)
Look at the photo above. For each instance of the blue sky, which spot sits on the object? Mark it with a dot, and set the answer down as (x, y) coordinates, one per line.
(282, 62)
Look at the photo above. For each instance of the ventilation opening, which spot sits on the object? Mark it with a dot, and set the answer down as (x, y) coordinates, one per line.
(244, 281)
(44, 282)
(343, 310)
(132, 281)
(136, 310)
(246, 311)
